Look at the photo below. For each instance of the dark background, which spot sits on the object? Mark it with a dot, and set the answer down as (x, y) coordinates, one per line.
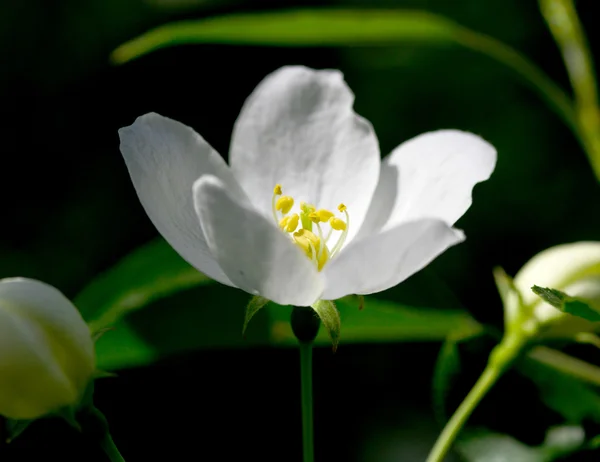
(69, 212)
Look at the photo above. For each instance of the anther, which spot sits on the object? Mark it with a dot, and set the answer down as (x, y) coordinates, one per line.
(337, 223)
(284, 204)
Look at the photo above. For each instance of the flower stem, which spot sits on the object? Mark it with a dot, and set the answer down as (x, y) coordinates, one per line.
(305, 325)
(567, 30)
(95, 427)
(499, 361)
(109, 447)
(307, 402)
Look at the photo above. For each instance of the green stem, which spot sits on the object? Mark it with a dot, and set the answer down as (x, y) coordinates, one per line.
(500, 360)
(110, 449)
(307, 402)
(568, 33)
(95, 426)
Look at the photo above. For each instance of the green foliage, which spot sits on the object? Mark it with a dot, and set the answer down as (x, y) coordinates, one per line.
(447, 367)
(178, 319)
(567, 304)
(345, 27)
(151, 272)
(567, 395)
(477, 446)
(208, 317)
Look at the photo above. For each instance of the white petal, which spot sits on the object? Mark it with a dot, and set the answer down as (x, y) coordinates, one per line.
(298, 129)
(381, 261)
(164, 158)
(46, 351)
(256, 256)
(430, 176)
(557, 268)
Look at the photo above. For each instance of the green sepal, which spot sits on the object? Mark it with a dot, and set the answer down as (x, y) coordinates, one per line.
(572, 305)
(13, 428)
(98, 374)
(69, 415)
(361, 302)
(254, 305)
(100, 332)
(330, 317)
(509, 294)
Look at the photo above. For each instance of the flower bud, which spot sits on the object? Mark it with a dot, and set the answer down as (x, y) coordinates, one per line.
(47, 354)
(570, 268)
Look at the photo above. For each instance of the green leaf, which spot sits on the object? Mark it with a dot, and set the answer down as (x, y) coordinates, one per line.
(480, 445)
(567, 395)
(330, 317)
(206, 318)
(254, 305)
(447, 367)
(566, 364)
(567, 304)
(349, 28)
(149, 273)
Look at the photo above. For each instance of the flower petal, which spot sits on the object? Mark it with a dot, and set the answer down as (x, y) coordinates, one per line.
(557, 268)
(164, 158)
(256, 256)
(430, 176)
(46, 350)
(381, 261)
(298, 129)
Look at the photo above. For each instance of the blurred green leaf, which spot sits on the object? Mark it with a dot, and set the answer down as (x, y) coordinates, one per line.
(346, 27)
(177, 319)
(567, 304)
(567, 395)
(566, 364)
(561, 17)
(151, 272)
(211, 317)
(447, 367)
(484, 446)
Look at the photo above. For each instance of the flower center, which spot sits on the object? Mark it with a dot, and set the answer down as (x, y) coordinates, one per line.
(315, 246)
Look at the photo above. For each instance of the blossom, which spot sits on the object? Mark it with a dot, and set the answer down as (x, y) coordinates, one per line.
(47, 354)
(571, 268)
(306, 210)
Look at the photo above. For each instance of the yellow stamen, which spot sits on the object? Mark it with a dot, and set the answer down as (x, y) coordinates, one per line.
(337, 223)
(285, 204)
(338, 245)
(321, 215)
(289, 223)
(315, 247)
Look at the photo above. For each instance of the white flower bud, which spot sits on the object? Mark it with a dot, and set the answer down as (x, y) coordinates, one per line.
(47, 354)
(570, 268)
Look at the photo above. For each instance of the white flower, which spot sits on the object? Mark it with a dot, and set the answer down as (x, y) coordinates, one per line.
(571, 268)
(299, 149)
(46, 352)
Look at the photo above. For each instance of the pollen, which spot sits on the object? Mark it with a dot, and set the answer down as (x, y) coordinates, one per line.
(310, 237)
